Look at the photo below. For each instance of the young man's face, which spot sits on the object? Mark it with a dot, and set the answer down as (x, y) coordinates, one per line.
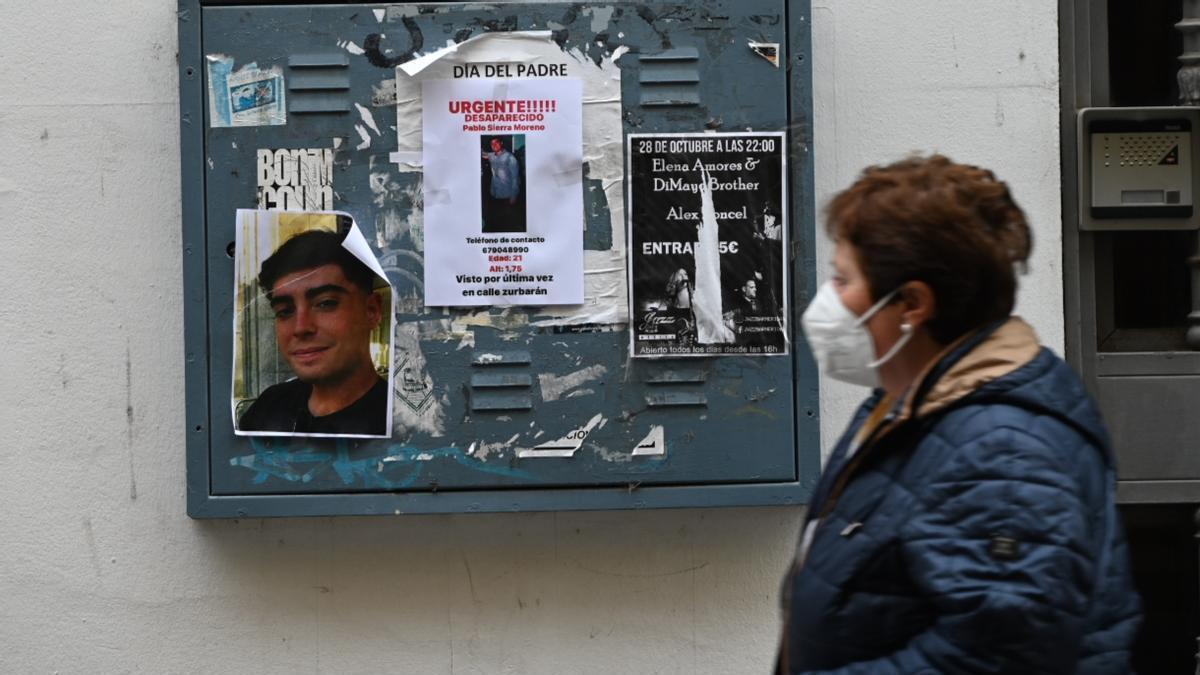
(323, 324)
(497, 146)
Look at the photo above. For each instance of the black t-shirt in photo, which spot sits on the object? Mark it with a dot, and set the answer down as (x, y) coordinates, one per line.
(284, 407)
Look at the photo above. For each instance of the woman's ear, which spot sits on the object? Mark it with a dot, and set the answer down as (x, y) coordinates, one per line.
(920, 304)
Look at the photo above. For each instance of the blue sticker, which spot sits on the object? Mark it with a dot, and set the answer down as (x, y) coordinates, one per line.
(247, 97)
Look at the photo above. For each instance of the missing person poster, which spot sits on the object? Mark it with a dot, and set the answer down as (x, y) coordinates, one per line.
(312, 328)
(707, 235)
(503, 163)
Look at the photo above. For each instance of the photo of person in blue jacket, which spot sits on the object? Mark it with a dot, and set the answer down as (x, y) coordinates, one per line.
(966, 519)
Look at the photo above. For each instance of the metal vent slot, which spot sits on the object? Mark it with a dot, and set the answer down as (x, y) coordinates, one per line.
(671, 72)
(670, 78)
(501, 358)
(681, 376)
(301, 102)
(715, 23)
(318, 83)
(500, 380)
(500, 388)
(322, 79)
(319, 60)
(493, 401)
(669, 399)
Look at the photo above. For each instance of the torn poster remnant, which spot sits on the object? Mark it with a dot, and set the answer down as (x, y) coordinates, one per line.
(418, 406)
(555, 386)
(653, 444)
(295, 180)
(566, 446)
(767, 50)
(247, 97)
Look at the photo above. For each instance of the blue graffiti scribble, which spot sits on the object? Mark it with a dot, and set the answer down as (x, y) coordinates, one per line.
(399, 467)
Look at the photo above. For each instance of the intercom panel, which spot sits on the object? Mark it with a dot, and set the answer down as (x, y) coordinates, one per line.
(1137, 168)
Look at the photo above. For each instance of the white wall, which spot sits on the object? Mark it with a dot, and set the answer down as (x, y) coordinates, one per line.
(975, 80)
(101, 571)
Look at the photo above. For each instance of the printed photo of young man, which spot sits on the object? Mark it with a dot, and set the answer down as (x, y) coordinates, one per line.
(326, 308)
(502, 181)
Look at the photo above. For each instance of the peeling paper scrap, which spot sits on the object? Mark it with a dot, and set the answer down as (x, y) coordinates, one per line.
(351, 47)
(411, 159)
(362, 133)
(505, 319)
(367, 118)
(566, 446)
(554, 386)
(418, 407)
(384, 93)
(357, 244)
(425, 60)
(767, 50)
(653, 444)
(270, 400)
(247, 97)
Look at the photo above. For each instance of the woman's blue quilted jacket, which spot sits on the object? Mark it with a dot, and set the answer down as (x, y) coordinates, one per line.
(976, 534)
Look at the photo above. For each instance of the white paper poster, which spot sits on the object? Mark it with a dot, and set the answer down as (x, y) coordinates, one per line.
(312, 328)
(503, 161)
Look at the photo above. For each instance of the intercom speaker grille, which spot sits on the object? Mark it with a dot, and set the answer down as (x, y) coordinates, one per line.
(1134, 150)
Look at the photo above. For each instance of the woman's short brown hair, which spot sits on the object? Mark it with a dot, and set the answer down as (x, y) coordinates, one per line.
(953, 226)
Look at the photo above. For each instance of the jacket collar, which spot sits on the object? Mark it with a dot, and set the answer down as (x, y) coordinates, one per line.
(960, 369)
(969, 363)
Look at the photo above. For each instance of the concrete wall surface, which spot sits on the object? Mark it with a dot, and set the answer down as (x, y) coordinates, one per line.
(977, 82)
(101, 571)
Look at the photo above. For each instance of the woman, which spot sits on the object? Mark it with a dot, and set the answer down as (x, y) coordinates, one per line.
(965, 522)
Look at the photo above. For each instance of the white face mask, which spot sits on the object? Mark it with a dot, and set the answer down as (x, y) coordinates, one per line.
(840, 340)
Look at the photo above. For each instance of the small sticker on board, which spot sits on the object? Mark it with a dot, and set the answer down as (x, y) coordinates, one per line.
(767, 50)
(247, 97)
(654, 444)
